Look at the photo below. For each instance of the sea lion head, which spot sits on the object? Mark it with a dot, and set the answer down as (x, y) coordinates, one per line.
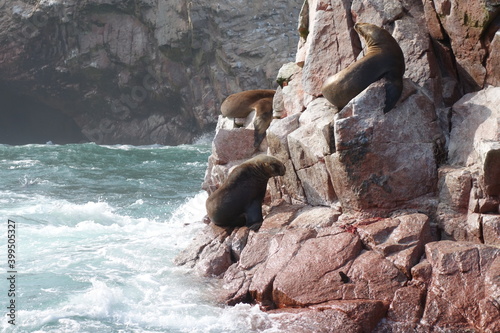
(372, 34)
(268, 166)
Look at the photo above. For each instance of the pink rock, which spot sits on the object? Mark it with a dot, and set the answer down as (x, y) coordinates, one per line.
(474, 122)
(237, 242)
(214, 260)
(373, 277)
(400, 239)
(209, 254)
(217, 173)
(384, 162)
(281, 251)
(293, 95)
(454, 188)
(407, 305)
(465, 23)
(489, 308)
(328, 47)
(312, 275)
(234, 144)
(491, 229)
(432, 20)
(493, 62)
(336, 316)
(256, 249)
(319, 109)
(235, 286)
(422, 272)
(472, 267)
(376, 12)
(490, 153)
(315, 217)
(211, 233)
(317, 185)
(279, 217)
(277, 135)
(308, 145)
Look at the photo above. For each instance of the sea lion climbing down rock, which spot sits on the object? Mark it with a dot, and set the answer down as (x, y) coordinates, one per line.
(238, 201)
(240, 105)
(383, 59)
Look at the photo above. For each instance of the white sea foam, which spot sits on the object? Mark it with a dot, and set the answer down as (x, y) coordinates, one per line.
(102, 265)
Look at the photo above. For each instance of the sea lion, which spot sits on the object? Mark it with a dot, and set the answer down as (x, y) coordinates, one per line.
(238, 201)
(239, 105)
(383, 59)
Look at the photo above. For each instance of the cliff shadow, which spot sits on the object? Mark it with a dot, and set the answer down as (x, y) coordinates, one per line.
(24, 120)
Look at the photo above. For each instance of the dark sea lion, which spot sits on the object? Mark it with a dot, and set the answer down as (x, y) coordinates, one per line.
(239, 105)
(238, 201)
(383, 59)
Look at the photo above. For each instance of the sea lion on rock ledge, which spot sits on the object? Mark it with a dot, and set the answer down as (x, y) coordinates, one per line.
(239, 105)
(238, 201)
(383, 59)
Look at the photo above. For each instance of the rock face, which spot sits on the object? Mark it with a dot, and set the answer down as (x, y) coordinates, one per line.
(139, 72)
(382, 222)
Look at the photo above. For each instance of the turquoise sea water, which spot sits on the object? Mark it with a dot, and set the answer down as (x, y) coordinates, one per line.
(97, 228)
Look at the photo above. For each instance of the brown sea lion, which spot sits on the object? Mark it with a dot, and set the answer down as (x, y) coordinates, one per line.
(238, 201)
(383, 59)
(239, 105)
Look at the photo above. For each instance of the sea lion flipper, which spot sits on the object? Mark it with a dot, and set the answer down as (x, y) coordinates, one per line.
(393, 91)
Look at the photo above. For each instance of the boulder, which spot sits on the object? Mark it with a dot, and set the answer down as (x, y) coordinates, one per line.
(312, 275)
(208, 253)
(336, 316)
(385, 162)
(474, 127)
(400, 239)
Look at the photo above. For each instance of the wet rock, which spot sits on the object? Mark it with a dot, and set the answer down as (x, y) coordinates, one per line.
(209, 234)
(335, 316)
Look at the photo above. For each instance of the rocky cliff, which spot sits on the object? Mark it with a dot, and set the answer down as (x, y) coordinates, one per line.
(382, 222)
(138, 72)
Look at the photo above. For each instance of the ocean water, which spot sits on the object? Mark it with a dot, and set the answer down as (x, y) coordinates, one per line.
(96, 232)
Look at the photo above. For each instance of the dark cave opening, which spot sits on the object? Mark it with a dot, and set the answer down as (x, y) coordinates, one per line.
(24, 120)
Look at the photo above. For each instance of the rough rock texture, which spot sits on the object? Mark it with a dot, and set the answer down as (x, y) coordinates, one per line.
(139, 72)
(382, 222)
